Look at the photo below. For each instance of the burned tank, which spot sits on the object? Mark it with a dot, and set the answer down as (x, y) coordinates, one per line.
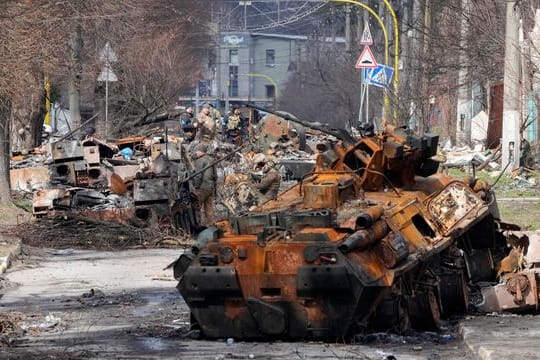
(372, 238)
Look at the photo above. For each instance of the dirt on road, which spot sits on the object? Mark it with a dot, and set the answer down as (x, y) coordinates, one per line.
(70, 304)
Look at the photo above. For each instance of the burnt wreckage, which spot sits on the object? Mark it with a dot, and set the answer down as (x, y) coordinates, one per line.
(372, 238)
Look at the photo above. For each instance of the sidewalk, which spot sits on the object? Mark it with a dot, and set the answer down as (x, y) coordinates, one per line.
(502, 337)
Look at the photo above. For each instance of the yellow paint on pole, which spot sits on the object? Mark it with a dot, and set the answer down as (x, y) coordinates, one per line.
(386, 49)
(379, 20)
(47, 120)
(396, 53)
(267, 78)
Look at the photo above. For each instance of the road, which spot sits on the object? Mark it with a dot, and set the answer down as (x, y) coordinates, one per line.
(95, 304)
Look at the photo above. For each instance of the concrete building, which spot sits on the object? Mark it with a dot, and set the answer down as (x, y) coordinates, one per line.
(250, 67)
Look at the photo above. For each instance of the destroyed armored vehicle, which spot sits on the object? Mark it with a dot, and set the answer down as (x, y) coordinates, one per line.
(372, 238)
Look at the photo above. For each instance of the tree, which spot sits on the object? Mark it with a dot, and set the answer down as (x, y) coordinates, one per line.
(159, 61)
(325, 89)
(22, 61)
(33, 43)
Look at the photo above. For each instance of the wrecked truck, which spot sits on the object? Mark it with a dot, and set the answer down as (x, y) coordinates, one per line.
(372, 238)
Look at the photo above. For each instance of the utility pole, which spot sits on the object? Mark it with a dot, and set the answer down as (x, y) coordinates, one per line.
(347, 27)
(75, 76)
(424, 115)
(464, 117)
(215, 19)
(511, 117)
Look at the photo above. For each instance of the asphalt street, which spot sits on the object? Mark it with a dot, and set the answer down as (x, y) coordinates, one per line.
(96, 304)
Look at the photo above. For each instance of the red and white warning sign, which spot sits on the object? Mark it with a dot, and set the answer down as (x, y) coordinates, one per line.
(366, 39)
(366, 60)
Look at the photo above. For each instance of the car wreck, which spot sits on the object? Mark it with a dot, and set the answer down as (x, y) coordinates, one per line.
(372, 238)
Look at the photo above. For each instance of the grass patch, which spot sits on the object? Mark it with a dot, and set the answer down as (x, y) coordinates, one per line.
(524, 213)
(24, 204)
(521, 212)
(508, 185)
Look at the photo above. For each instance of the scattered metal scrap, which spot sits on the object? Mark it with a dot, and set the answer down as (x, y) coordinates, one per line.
(519, 274)
(104, 181)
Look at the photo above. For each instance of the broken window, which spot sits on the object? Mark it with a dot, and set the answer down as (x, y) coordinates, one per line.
(270, 91)
(233, 57)
(233, 80)
(270, 57)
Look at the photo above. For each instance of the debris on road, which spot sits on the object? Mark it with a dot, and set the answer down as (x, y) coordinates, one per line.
(519, 274)
(10, 327)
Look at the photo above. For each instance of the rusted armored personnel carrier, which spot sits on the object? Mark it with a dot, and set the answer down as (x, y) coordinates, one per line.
(372, 238)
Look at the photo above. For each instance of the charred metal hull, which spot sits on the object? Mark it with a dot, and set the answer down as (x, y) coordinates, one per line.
(377, 240)
(314, 301)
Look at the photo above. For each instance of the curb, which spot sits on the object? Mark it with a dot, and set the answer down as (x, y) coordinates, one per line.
(7, 253)
(479, 352)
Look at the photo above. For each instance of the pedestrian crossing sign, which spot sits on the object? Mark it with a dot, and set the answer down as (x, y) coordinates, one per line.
(366, 39)
(381, 76)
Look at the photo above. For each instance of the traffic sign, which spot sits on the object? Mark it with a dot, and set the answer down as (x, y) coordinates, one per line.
(107, 54)
(381, 76)
(366, 38)
(107, 74)
(366, 76)
(366, 60)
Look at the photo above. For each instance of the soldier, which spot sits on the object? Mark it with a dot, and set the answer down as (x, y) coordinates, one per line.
(188, 125)
(207, 125)
(204, 184)
(233, 126)
(270, 180)
(214, 113)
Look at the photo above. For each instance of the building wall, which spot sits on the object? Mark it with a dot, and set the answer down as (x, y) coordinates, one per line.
(225, 64)
(285, 58)
(254, 74)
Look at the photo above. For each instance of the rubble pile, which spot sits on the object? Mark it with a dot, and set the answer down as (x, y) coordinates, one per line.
(114, 192)
(489, 161)
(10, 327)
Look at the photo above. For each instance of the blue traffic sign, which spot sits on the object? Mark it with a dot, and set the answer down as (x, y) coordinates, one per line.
(381, 76)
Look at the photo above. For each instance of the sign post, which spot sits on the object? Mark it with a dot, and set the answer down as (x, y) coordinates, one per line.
(107, 56)
(381, 76)
(366, 61)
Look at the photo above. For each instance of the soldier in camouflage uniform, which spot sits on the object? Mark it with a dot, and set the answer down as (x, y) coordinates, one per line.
(204, 184)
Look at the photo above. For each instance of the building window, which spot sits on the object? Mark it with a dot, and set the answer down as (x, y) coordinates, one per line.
(270, 57)
(233, 80)
(270, 91)
(233, 57)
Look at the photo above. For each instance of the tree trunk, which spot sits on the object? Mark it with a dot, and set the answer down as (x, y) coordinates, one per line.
(36, 122)
(5, 193)
(75, 77)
